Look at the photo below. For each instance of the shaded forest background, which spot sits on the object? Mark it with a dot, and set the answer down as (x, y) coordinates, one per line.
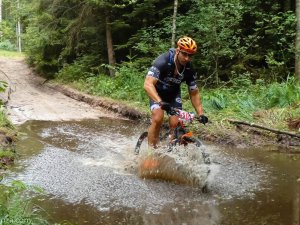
(245, 62)
(252, 38)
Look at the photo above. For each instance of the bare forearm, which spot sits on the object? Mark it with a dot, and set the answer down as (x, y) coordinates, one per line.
(150, 89)
(196, 102)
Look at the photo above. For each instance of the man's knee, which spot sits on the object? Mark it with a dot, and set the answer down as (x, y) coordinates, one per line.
(157, 117)
(173, 121)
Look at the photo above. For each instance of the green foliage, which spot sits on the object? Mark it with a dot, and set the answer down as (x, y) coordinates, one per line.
(7, 154)
(126, 85)
(4, 121)
(15, 206)
(7, 32)
(3, 86)
(42, 45)
(129, 82)
(217, 34)
(11, 54)
(7, 45)
(243, 101)
(283, 94)
(244, 46)
(234, 37)
(217, 101)
(278, 44)
(150, 42)
(81, 69)
(73, 72)
(59, 33)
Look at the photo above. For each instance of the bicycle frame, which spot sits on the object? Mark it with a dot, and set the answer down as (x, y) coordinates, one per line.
(181, 136)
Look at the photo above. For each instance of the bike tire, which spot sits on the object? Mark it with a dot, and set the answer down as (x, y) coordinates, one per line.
(198, 144)
(139, 142)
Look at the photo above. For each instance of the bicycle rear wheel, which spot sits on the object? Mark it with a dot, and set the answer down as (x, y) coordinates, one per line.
(140, 141)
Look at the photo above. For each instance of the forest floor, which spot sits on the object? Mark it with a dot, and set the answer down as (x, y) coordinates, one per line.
(30, 97)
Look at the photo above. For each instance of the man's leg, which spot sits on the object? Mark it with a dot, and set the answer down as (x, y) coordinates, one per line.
(154, 129)
(173, 121)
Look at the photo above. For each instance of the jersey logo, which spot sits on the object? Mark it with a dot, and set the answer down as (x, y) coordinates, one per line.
(154, 72)
(178, 100)
(173, 80)
(195, 76)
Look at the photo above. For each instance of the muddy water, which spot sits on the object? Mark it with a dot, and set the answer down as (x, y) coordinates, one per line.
(88, 172)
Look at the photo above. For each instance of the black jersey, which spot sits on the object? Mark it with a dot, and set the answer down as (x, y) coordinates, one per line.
(168, 85)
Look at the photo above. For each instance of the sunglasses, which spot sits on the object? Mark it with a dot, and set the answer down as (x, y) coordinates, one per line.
(186, 54)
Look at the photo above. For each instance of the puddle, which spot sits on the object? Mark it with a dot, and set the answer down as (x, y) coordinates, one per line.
(82, 168)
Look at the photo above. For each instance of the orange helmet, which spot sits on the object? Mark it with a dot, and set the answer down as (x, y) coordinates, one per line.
(187, 44)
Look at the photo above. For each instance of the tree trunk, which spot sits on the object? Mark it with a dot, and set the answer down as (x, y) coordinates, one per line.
(287, 5)
(18, 30)
(216, 56)
(110, 50)
(0, 18)
(297, 53)
(174, 23)
(264, 128)
(0, 11)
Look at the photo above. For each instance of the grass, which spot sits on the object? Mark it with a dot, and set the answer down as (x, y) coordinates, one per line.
(126, 86)
(15, 199)
(270, 104)
(5, 153)
(4, 121)
(11, 54)
(16, 207)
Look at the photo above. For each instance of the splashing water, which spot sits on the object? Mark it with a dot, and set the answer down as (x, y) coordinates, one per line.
(183, 165)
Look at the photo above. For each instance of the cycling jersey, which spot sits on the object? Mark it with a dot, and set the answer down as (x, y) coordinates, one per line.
(168, 84)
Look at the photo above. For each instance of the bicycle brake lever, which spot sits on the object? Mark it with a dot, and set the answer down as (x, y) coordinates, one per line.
(173, 112)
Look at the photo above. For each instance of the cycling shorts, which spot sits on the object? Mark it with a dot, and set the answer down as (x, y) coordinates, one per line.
(174, 102)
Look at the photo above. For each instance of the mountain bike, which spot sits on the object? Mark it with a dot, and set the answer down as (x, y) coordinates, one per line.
(181, 135)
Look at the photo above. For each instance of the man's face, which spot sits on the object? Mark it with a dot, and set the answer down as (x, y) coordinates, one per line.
(183, 57)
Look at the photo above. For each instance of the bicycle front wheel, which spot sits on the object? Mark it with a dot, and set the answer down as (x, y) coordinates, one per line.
(140, 141)
(195, 141)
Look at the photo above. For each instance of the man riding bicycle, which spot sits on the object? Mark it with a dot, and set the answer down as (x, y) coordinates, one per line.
(162, 85)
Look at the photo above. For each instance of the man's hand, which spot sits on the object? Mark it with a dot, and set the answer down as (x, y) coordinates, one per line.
(165, 106)
(203, 119)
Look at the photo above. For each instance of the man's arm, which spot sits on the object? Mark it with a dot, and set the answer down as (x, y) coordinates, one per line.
(149, 86)
(196, 101)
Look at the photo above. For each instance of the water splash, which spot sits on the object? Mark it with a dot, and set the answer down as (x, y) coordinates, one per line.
(183, 165)
(83, 162)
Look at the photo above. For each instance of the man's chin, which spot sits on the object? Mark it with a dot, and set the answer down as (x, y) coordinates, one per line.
(183, 63)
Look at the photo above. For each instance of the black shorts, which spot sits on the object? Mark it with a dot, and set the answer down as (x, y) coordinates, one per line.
(175, 102)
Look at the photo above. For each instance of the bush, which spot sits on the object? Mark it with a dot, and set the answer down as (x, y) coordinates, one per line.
(243, 98)
(72, 72)
(126, 85)
(283, 94)
(7, 45)
(15, 207)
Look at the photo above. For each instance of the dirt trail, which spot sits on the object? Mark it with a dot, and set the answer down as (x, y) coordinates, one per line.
(27, 98)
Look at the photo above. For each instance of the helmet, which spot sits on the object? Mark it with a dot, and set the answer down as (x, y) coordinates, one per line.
(187, 44)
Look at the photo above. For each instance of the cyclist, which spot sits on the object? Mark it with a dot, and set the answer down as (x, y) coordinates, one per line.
(162, 85)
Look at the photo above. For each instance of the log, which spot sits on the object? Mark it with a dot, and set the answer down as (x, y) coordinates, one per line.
(264, 128)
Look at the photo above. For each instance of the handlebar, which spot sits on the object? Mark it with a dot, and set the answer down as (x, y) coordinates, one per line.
(186, 116)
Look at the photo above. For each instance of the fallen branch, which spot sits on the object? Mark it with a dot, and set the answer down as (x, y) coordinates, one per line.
(264, 128)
